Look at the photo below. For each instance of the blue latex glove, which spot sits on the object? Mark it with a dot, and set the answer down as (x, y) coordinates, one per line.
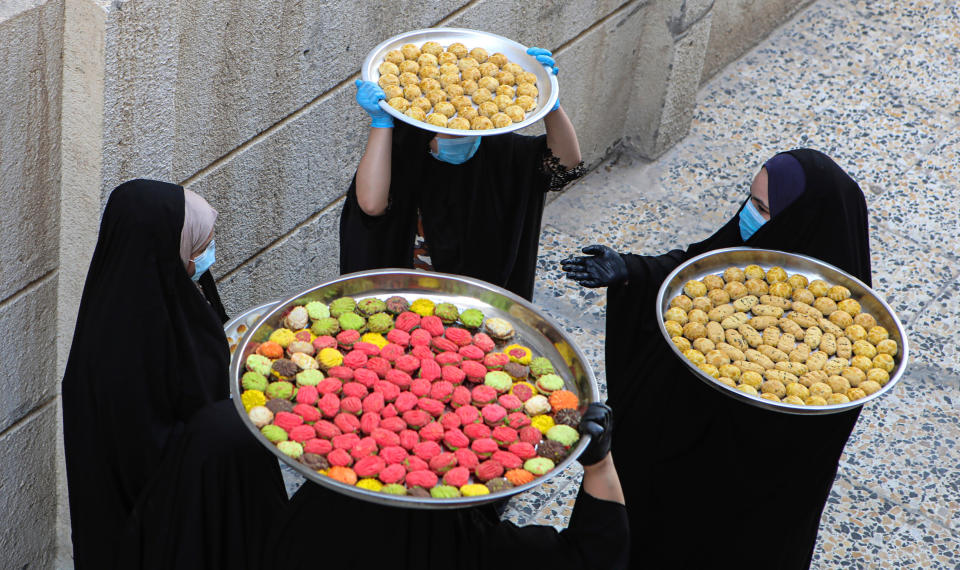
(369, 96)
(545, 57)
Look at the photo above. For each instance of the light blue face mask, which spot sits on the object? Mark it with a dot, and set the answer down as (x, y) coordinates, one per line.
(202, 262)
(750, 220)
(456, 151)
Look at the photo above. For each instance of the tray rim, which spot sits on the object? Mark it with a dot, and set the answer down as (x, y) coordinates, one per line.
(407, 500)
(366, 73)
(781, 407)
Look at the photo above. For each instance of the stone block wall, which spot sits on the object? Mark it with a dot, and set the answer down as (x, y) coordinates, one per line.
(251, 104)
(31, 34)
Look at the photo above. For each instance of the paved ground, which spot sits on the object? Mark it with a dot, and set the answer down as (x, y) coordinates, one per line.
(876, 85)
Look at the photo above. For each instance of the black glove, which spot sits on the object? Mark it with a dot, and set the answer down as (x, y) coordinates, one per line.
(605, 267)
(598, 423)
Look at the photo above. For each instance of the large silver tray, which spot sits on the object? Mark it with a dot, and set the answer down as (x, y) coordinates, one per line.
(714, 262)
(534, 329)
(515, 52)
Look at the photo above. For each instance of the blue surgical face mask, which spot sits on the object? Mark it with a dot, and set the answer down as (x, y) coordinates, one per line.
(750, 220)
(456, 151)
(202, 262)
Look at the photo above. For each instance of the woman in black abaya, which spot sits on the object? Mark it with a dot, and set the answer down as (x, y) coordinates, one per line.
(322, 527)
(467, 205)
(157, 470)
(708, 479)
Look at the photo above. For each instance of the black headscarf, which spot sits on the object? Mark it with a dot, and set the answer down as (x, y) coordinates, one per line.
(480, 218)
(360, 535)
(148, 352)
(706, 476)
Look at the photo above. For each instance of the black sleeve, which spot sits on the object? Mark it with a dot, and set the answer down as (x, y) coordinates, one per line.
(376, 242)
(598, 537)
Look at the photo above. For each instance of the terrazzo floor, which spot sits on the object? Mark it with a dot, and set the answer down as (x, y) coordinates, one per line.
(876, 85)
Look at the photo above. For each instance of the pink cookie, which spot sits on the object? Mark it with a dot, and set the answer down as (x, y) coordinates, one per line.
(422, 352)
(318, 446)
(307, 395)
(433, 407)
(394, 454)
(493, 414)
(351, 405)
(369, 422)
(405, 401)
(416, 418)
(523, 450)
(340, 458)
(355, 389)
(348, 423)
(441, 390)
(407, 321)
(345, 441)
(460, 397)
(308, 413)
(407, 363)
(429, 370)
(468, 414)
(287, 420)
(409, 438)
(355, 359)
(466, 458)
(476, 431)
(460, 337)
(422, 478)
(427, 450)
(367, 348)
(326, 430)
(453, 374)
(329, 386)
(394, 424)
(443, 462)
(510, 402)
(487, 470)
(389, 390)
(505, 437)
(420, 337)
(385, 437)
(530, 434)
(393, 474)
(517, 420)
(440, 344)
(483, 342)
(366, 446)
(474, 371)
(391, 351)
(433, 431)
(455, 439)
(507, 459)
(366, 377)
(496, 360)
(449, 358)
(379, 365)
(471, 352)
(457, 477)
(329, 405)
(399, 337)
(484, 447)
(373, 402)
(302, 433)
(450, 420)
(325, 341)
(414, 463)
(344, 373)
(432, 325)
(483, 395)
(400, 378)
(346, 339)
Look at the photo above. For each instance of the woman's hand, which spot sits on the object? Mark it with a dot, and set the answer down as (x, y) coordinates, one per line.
(597, 422)
(604, 267)
(369, 96)
(545, 57)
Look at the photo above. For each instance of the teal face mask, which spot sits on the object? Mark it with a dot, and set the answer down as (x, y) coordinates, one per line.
(456, 151)
(202, 262)
(750, 220)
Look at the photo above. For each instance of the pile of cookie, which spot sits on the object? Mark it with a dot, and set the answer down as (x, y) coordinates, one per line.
(409, 398)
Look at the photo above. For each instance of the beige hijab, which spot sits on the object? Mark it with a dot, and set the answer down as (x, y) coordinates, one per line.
(198, 220)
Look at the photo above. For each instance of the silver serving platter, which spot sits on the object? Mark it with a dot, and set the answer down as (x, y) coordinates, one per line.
(534, 329)
(714, 262)
(515, 52)
(238, 326)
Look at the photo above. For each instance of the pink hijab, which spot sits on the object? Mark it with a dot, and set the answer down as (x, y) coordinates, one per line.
(198, 220)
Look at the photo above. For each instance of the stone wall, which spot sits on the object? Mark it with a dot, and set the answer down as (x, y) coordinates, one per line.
(31, 34)
(251, 104)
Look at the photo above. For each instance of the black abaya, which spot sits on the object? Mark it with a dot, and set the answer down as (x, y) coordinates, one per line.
(148, 353)
(481, 218)
(709, 480)
(328, 529)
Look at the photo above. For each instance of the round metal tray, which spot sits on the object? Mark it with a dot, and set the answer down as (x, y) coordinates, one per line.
(714, 262)
(515, 52)
(534, 329)
(239, 325)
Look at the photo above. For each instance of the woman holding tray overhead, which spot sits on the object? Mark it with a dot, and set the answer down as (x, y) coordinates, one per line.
(467, 205)
(159, 465)
(712, 478)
